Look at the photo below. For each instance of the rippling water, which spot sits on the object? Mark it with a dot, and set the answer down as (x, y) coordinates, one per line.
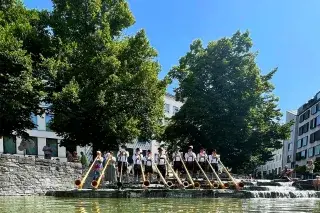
(55, 205)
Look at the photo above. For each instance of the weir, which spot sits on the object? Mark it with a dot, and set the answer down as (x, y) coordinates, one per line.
(252, 189)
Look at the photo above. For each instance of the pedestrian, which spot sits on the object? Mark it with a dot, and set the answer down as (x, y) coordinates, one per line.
(47, 150)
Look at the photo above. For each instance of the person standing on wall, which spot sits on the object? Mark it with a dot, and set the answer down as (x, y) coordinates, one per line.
(148, 166)
(137, 162)
(84, 161)
(202, 159)
(177, 164)
(214, 160)
(123, 161)
(309, 169)
(161, 164)
(190, 156)
(111, 176)
(47, 150)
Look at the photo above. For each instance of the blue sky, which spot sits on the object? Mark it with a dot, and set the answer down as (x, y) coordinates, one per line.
(286, 33)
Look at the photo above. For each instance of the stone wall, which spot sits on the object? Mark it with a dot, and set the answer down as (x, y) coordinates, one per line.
(31, 176)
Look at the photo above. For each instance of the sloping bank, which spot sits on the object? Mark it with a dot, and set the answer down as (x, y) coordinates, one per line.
(30, 176)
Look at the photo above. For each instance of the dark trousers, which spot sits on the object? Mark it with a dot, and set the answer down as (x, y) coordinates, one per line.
(137, 170)
(177, 166)
(124, 167)
(215, 167)
(162, 169)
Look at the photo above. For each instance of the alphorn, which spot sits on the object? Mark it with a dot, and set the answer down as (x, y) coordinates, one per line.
(79, 183)
(221, 185)
(161, 177)
(232, 179)
(145, 183)
(95, 183)
(186, 184)
(174, 174)
(209, 182)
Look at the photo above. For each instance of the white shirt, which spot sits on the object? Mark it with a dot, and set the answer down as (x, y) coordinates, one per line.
(148, 161)
(202, 157)
(137, 159)
(190, 156)
(123, 156)
(161, 159)
(176, 156)
(214, 159)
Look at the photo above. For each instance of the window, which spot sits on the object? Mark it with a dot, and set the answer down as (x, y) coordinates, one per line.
(304, 129)
(289, 159)
(312, 138)
(303, 154)
(317, 150)
(34, 120)
(311, 152)
(314, 109)
(317, 120)
(289, 146)
(175, 109)
(306, 115)
(305, 141)
(299, 143)
(9, 145)
(32, 146)
(167, 108)
(313, 123)
(48, 120)
(301, 118)
(53, 143)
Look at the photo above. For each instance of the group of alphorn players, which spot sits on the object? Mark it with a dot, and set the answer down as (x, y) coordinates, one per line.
(190, 167)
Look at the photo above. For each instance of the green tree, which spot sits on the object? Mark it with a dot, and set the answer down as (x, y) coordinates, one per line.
(228, 103)
(20, 90)
(103, 86)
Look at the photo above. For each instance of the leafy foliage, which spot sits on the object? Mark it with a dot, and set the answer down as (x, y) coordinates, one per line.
(21, 92)
(103, 86)
(228, 103)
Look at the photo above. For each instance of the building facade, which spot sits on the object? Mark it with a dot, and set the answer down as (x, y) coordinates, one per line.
(39, 137)
(308, 130)
(42, 135)
(289, 148)
(273, 166)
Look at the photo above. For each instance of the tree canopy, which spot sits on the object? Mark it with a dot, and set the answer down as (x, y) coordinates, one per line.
(228, 103)
(103, 85)
(20, 90)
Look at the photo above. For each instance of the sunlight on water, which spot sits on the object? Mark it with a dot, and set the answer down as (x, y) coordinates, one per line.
(54, 205)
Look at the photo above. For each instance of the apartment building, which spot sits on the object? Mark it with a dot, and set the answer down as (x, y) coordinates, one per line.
(308, 125)
(273, 166)
(289, 148)
(39, 137)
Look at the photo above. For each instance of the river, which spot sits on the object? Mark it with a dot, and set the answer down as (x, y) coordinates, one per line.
(56, 205)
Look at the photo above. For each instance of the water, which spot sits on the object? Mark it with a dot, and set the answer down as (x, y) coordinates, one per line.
(54, 205)
(284, 190)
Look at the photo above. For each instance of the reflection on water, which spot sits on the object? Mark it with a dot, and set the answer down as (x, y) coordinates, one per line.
(55, 205)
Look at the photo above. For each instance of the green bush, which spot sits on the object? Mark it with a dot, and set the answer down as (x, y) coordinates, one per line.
(300, 169)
